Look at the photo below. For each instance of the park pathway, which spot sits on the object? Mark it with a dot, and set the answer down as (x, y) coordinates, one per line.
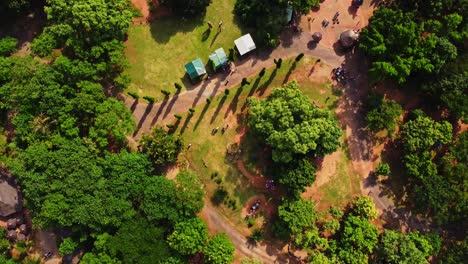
(349, 111)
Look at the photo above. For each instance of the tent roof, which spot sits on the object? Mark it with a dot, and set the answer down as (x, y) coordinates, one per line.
(317, 36)
(245, 44)
(219, 58)
(348, 37)
(195, 68)
(9, 203)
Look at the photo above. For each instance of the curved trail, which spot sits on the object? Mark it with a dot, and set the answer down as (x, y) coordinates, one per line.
(349, 111)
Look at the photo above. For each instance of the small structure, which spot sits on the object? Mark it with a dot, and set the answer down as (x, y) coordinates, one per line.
(357, 3)
(195, 69)
(218, 59)
(244, 44)
(348, 38)
(21, 237)
(289, 14)
(9, 202)
(11, 234)
(317, 36)
(11, 223)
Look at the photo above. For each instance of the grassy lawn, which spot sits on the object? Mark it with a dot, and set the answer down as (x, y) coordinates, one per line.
(158, 52)
(208, 152)
(341, 188)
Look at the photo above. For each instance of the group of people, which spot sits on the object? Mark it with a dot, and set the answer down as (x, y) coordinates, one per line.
(335, 18)
(340, 74)
(223, 129)
(270, 185)
(253, 209)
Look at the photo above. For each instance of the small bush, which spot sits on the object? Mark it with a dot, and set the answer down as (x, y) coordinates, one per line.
(150, 99)
(383, 169)
(226, 92)
(134, 95)
(219, 195)
(262, 72)
(191, 110)
(170, 126)
(165, 92)
(250, 222)
(244, 82)
(7, 46)
(177, 86)
(208, 100)
(178, 116)
(214, 175)
(219, 180)
(299, 57)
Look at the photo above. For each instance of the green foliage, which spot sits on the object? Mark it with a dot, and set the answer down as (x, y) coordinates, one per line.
(7, 46)
(67, 246)
(383, 169)
(208, 100)
(187, 8)
(293, 126)
(395, 42)
(278, 62)
(296, 176)
(166, 92)
(384, 116)
(150, 99)
(256, 236)
(192, 110)
(244, 82)
(298, 215)
(42, 46)
(268, 17)
(159, 200)
(395, 247)
(189, 193)
(226, 92)
(453, 93)
(4, 244)
(232, 54)
(219, 250)
(423, 132)
(363, 206)
(178, 86)
(13, 7)
(357, 239)
(178, 116)
(161, 147)
(188, 237)
(134, 95)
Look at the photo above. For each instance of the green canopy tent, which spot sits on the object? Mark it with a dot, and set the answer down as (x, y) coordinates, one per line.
(195, 69)
(218, 59)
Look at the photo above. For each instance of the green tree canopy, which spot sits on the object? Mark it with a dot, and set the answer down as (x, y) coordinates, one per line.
(292, 125)
(423, 132)
(296, 176)
(384, 116)
(188, 237)
(298, 215)
(7, 45)
(357, 240)
(189, 193)
(363, 206)
(219, 250)
(161, 147)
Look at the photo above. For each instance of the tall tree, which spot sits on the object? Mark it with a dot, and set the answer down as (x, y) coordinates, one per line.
(189, 237)
(189, 193)
(161, 147)
(292, 125)
(219, 250)
(298, 215)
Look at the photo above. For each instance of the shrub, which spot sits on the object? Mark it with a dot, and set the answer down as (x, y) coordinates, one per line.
(208, 100)
(219, 180)
(134, 95)
(226, 92)
(192, 110)
(150, 99)
(67, 246)
(299, 57)
(214, 175)
(170, 126)
(383, 169)
(262, 72)
(7, 46)
(177, 86)
(244, 82)
(178, 116)
(250, 222)
(219, 195)
(165, 92)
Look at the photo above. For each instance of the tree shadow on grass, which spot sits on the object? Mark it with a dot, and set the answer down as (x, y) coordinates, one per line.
(215, 37)
(134, 105)
(206, 34)
(233, 105)
(268, 82)
(220, 105)
(202, 114)
(143, 118)
(200, 93)
(161, 107)
(291, 69)
(174, 129)
(186, 122)
(164, 28)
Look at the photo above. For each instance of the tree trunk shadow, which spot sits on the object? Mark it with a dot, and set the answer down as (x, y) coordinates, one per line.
(186, 122)
(251, 92)
(171, 103)
(220, 105)
(233, 105)
(143, 118)
(291, 69)
(161, 107)
(268, 82)
(202, 114)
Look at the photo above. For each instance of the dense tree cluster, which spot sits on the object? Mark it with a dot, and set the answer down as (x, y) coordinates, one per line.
(268, 17)
(418, 37)
(69, 152)
(187, 8)
(296, 130)
(382, 114)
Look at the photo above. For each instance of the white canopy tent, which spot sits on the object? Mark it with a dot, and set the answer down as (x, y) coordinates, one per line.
(244, 44)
